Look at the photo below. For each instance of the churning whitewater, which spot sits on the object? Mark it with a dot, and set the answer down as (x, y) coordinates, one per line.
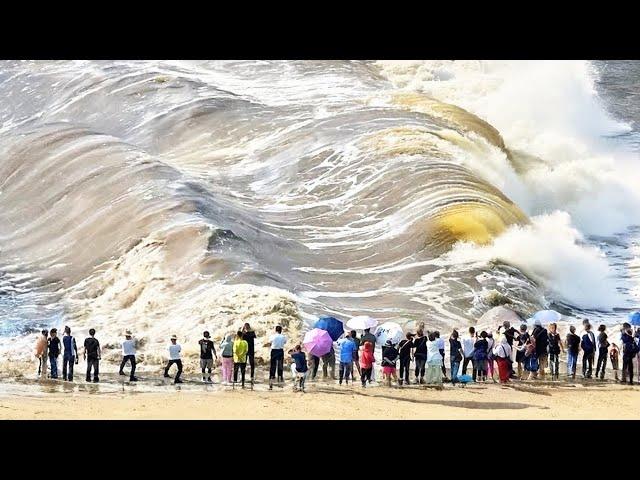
(164, 196)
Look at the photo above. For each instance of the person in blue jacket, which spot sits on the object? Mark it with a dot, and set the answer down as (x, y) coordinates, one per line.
(347, 349)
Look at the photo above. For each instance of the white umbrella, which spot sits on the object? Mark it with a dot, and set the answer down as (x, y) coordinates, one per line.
(362, 322)
(546, 316)
(389, 331)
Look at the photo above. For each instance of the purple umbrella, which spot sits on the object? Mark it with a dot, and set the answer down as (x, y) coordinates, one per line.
(317, 342)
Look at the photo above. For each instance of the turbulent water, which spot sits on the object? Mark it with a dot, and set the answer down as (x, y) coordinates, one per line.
(425, 190)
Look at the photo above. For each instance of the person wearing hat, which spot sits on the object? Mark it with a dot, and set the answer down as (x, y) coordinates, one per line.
(207, 352)
(389, 358)
(129, 355)
(174, 358)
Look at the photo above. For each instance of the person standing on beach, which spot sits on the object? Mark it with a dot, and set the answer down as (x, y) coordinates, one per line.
(629, 351)
(240, 350)
(250, 336)
(467, 347)
(455, 355)
(356, 354)
(555, 347)
(42, 352)
(347, 347)
(129, 355)
(480, 353)
(367, 336)
(367, 360)
(329, 364)
(434, 361)
(389, 358)
(226, 350)
(420, 355)
(277, 343)
(207, 352)
(502, 353)
(490, 360)
(54, 352)
(510, 334)
(301, 369)
(70, 355)
(614, 356)
(573, 349)
(520, 356)
(174, 359)
(588, 345)
(603, 351)
(92, 354)
(440, 342)
(404, 351)
(541, 340)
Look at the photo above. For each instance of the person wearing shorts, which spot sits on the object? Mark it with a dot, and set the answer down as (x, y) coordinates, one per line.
(389, 358)
(207, 352)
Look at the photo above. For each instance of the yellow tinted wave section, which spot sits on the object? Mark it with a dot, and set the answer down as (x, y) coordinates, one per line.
(474, 222)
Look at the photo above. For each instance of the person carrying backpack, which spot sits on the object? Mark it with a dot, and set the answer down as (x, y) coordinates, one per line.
(541, 338)
(588, 345)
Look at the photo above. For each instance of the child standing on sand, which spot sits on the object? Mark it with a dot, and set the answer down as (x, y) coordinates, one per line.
(389, 359)
(614, 356)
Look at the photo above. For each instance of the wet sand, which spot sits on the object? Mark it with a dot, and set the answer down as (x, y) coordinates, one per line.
(157, 398)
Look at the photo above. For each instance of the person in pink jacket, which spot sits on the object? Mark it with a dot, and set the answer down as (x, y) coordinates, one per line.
(367, 361)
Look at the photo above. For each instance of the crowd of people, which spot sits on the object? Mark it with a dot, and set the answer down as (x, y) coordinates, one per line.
(534, 353)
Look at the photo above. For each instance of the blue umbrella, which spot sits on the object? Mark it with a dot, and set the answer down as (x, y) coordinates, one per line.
(332, 325)
(634, 318)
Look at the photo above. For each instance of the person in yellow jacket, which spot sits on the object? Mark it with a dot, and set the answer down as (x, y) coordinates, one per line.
(240, 350)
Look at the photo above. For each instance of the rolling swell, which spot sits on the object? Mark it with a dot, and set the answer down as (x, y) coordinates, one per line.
(149, 181)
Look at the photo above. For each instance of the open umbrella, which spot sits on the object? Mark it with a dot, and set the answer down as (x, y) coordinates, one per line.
(634, 318)
(332, 325)
(317, 342)
(389, 331)
(546, 316)
(362, 322)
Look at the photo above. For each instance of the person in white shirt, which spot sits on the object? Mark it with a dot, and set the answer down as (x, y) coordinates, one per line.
(467, 348)
(434, 360)
(440, 342)
(277, 342)
(174, 358)
(129, 355)
(502, 353)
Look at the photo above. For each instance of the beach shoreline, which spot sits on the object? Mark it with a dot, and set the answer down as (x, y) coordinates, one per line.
(113, 399)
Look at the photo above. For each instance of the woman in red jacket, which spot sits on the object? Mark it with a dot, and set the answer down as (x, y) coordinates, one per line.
(367, 361)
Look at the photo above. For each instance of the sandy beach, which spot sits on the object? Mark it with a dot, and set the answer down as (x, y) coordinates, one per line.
(113, 399)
